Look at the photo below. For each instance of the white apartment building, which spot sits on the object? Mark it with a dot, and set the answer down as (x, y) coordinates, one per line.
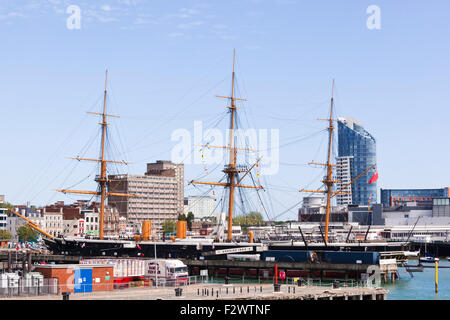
(200, 206)
(52, 221)
(343, 175)
(91, 222)
(3, 218)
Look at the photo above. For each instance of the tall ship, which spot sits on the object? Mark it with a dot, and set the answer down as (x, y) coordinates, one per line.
(218, 244)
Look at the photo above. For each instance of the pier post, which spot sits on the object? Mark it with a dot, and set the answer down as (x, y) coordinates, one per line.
(9, 262)
(30, 264)
(436, 276)
(24, 266)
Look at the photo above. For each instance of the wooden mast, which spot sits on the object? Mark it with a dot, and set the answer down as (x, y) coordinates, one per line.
(328, 181)
(231, 169)
(102, 179)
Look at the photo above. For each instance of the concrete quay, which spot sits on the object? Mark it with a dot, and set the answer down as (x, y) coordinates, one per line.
(226, 292)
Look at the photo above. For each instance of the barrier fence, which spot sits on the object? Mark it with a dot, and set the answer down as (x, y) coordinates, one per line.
(211, 288)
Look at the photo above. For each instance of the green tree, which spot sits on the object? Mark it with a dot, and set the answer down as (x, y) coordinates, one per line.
(6, 205)
(251, 219)
(5, 235)
(182, 217)
(169, 226)
(27, 233)
(189, 219)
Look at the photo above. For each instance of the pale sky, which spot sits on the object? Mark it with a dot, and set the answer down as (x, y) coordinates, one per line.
(167, 60)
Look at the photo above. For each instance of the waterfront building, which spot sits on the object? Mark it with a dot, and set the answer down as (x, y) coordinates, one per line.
(2, 198)
(441, 207)
(14, 222)
(3, 218)
(357, 143)
(438, 214)
(53, 221)
(83, 219)
(419, 197)
(160, 194)
(343, 175)
(201, 206)
(313, 209)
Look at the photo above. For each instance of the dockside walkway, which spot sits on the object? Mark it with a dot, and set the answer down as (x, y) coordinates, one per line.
(216, 291)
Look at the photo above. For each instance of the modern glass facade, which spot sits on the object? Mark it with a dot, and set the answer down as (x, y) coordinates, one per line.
(421, 197)
(354, 141)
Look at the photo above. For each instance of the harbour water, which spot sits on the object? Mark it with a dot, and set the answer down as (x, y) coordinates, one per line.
(421, 286)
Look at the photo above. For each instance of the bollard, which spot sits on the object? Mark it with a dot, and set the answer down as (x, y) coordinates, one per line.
(234, 290)
(227, 290)
(217, 293)
(248, 289)
(260, 289)
(241, 289)
(276, 287)
(335, 284)
(289, 289)
(294, 289)
(178, 292)
(198, 292)
(65, 295)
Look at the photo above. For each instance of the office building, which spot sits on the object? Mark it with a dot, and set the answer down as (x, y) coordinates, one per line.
(160, 194)
(417, 197)
(358, 144)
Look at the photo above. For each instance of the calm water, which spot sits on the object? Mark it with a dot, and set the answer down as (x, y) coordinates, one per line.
(421, 286)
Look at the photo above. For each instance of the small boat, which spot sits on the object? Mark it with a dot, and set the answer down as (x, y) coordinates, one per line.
(428, 259)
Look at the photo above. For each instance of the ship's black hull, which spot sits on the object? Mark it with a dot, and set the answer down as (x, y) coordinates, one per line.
(111, 248)
(436, 249)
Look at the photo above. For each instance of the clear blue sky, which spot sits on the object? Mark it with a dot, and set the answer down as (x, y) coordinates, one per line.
(167, 59)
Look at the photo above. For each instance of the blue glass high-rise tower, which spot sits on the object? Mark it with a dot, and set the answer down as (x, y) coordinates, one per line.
(355, 142)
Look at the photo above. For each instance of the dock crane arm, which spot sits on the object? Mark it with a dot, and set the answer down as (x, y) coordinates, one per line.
(32, 224)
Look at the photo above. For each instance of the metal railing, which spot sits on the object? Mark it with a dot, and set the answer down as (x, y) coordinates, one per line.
(28, 287)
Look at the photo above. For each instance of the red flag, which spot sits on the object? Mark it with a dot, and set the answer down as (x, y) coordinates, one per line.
(374, 177)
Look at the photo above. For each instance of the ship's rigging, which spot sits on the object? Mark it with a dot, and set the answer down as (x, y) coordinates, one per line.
(232, 170)
(102, 179)
(328, 180)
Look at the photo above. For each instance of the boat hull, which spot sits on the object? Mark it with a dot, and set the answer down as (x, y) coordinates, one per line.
(193, 249)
